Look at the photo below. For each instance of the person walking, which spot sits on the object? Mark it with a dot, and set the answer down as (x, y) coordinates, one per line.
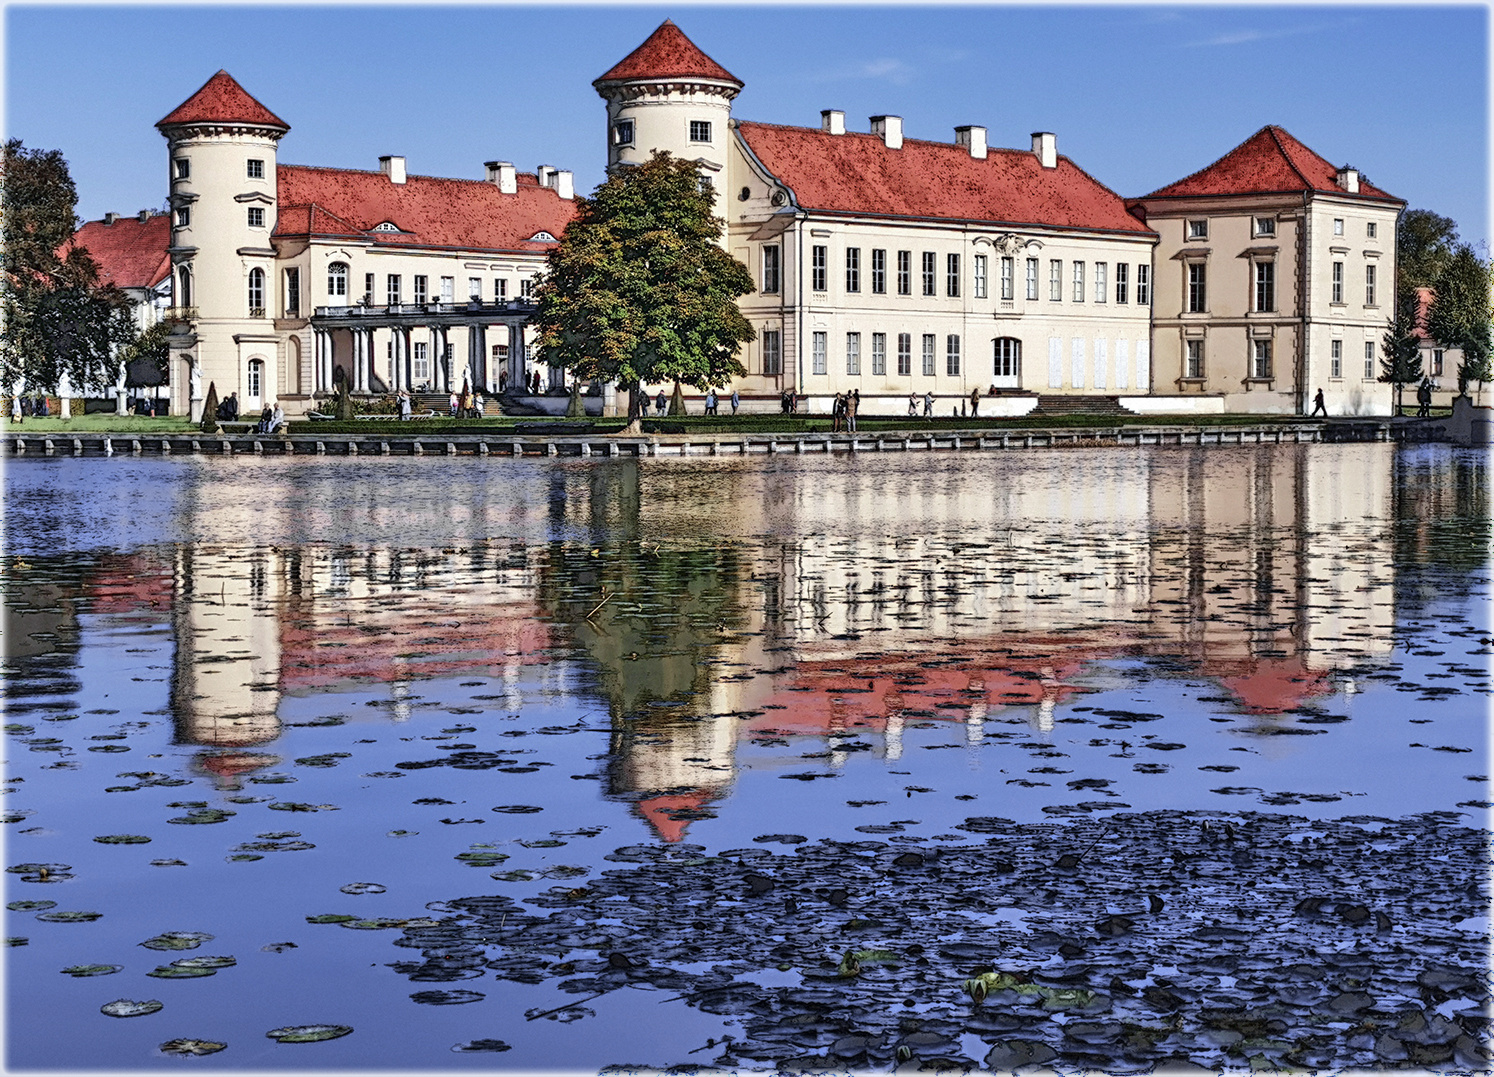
(660, 403)
(452, 403)
(912, 405)
(974, 403)
(1424, 399)
(1318, 405)
(928, 405)
(710, 402)
(15, 407)
(736, 401)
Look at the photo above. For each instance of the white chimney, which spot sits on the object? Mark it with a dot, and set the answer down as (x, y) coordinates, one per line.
(833, 121)
(546, 175)
(110, 218)
(394, 168)
(891, 130)
(565, 184)
(1348, 179)
(502, 173)
(143, 216)
(973, 139)
(1045, 146)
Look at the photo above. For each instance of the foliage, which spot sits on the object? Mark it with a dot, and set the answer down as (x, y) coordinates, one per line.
(59, 322)
(1460, 314)
(639, 289)
(1400, 348)
(1423, 247)
(146, 358)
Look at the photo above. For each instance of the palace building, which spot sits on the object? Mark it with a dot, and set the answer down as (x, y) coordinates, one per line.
(955, 273)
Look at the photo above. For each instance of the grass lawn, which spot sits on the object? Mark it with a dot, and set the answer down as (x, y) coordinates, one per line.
(101, 424)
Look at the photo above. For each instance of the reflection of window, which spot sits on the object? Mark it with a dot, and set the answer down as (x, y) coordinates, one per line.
(772, 353)
(256, 293)
(1194, 367)
(337, 280)
(1008, 357)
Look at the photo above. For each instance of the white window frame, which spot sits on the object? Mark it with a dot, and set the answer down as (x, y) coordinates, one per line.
(1338, 226)
(980, 278)
(853, 355)
(1055, 280)
(905, 355)
(1143, 284)
(700, 131)
(1122, 282)
(474, 288)
(1102, 286)
(1265, 227)
(772, 260)
(421, 289)
(772, 353)
(1196, 283)
(1032, 278)
(337, 280)
(1193, 359)
(1336, 360)
(819, 361)
(879, 355)
(448, 289)
(819, 268)
(1006, 358)
(878, 271)
(1261, 360)
(930, 344)
(904, 272)
(1369, 285)
(254, 168)
(952, 355)
(1265, 285)
(1078, 281)
(1369, 361)
(622, 133)
(256, 216)
(1197, 229)
(1337, 295)
(853, 269)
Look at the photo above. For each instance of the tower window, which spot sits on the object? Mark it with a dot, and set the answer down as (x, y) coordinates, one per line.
(256, 216)
(256, 293)
(183, 167)
(700, 130)
(256, 168)
(184, 216)
(622, 132)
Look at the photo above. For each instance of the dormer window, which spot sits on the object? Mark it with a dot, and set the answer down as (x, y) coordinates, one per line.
(386, 226)
(543, 237)
(622, 132)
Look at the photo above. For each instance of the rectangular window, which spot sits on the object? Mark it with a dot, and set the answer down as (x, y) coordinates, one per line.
(905, 354)
(928, 355)
(1102, 286)
(1261, 360)
(879, 272)
(700, 130)
(526, 288)
(292, 292)
(952, 275)
(818, 262)
(1369, 361)
(420, 363)
(184, 217)
(474, 289)
(368, 287)
(622, 132)
(1336, 359)
(853, 269)
(1008, 281)
(980, 277)
(184, 169)
(1195, 360)
(1265, 226)
(1198, 229)
(1032, 282)
(879, 354)
(1436, 361)
(500, 289)
(1122, 271)
(772, 257)
(1055, 280)
(904, 272)
(1143, 285)
(256, 168)
(818, 362)
(1078, 282)
(952, 355)
(1371, 230)
(1338, 282)
(1338, 226)
(1265, 286)
(853, 353)
(448, 289)
(256, 216)
(422, 288)
(392, 283)
(1198, 294)
(1369, 286)
(772, 353)
(928, 273)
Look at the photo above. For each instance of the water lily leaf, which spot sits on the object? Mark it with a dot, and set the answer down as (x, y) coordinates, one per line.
(17, 940)
(92, 970)
(512, 876)
(207, 961)
(69, 917)
(177, 940)
(518, 809)
(203, 816)
(129, 1008)
(179, 972)
(380, 923)
(542, 843)
(122, 839)
(330, 918)
(362, 888)
(482, 858)
(191, 1047)
(472, 1046)
(446, 998)
(308, 1033)
(31, 906)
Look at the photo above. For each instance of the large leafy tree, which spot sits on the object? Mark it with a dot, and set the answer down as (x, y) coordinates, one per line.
(1424, 243)
(58, 321)
(639, 289)
(1400, 362)
(1461, 312)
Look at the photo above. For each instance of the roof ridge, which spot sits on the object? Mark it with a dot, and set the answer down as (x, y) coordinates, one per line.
(1273, 128)
(906, 139)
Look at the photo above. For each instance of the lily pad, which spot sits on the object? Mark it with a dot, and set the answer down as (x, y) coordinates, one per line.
(308, 1033)
(92, 970)
(122, 839)
(177, 940)
(124, 1007)
(69, 916)
(475, 1046)
(178, 972)
(203, 816)
(330, 918)
(482, 858)
(192, 1047)
(377, 923)
(512, 876)
(446, 998)
(363, 888)
(31, 906)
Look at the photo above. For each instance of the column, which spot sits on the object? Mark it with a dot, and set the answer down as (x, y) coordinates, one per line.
(516, 371)
(479, 367)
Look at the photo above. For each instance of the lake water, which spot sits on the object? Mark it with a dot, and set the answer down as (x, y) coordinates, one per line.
(367, 689)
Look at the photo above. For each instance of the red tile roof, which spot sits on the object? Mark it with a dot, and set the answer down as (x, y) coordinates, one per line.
(222, 100)
(858, 174)
(430, 212)
(1270, 161)
(129, 253)
(667, 53)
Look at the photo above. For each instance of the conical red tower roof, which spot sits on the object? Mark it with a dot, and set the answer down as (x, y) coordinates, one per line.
(222, 100)
(667, 53)
(1269, 161)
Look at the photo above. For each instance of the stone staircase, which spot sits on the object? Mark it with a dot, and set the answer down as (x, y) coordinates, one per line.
(1050, 404)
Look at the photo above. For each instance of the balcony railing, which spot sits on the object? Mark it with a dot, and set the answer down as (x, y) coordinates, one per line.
(175, 315)
(365, 310)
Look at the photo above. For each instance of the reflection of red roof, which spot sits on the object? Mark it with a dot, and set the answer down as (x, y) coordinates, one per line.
(1275, 685)
(855, 173)
(667, 53)
(132, 583)
(130, 253)
(222, 100)
(226, 767)
(1269, 161)
(429, 212)
(656, 812)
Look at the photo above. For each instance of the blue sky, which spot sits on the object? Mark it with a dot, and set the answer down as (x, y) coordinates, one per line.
(1138, 96)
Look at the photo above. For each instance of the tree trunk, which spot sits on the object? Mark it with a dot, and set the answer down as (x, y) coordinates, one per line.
(634, 429)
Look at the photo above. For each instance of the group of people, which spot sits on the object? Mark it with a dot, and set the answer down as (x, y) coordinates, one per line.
(270, 420)
(24, 407)
(228, 410)
(928, 405)
(712, 402)
(530, 384)
(788, 401)
(466, 404)
(843, 411)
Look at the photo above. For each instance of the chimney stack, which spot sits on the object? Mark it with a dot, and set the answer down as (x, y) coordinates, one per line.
(1045, 147)
(565, 184)
(891, 130)
(143, 216)
(973, 139)
(1348, 179)
(502, 173)
(546, 175)
(394, 168)
(110, 218)
(833, 121)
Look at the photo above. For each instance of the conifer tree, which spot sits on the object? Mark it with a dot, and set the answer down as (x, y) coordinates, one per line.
(1400, 362)
(1461, 312)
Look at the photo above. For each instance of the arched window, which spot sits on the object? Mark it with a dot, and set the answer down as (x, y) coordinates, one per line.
(1007, 357)
(184, 286)
(256, 293)
(254, 380)
(337, 282)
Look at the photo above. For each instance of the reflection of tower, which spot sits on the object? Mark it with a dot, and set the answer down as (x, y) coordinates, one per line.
(678, 763)
(225, 689)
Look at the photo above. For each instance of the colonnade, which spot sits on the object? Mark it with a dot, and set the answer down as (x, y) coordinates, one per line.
(357, 354)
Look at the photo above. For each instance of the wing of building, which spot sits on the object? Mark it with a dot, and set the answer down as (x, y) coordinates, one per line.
(131, 255)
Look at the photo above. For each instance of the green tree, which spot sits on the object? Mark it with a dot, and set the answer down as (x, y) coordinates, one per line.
(147, 357)
(1424, 244)
(1461, 312)
(58, 321)
(639, 289)
(1400, 350)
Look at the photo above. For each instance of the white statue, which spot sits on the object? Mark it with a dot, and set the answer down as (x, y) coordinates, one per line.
(194, 379)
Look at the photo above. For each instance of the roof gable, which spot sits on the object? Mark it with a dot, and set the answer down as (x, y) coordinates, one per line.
(130, 253)
(857, 173)
(222, 100)
(667, 53)
(1269, 161)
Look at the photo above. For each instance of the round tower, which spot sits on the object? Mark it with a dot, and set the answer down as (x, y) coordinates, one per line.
(221, 146)
(668, 95)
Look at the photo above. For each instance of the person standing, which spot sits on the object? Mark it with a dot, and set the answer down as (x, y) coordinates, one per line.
(15, 407)
(974, 403)
(710, 402)
(660, 403)
(736, 401)
(912, 405)
(452, 403)
(853, 405)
